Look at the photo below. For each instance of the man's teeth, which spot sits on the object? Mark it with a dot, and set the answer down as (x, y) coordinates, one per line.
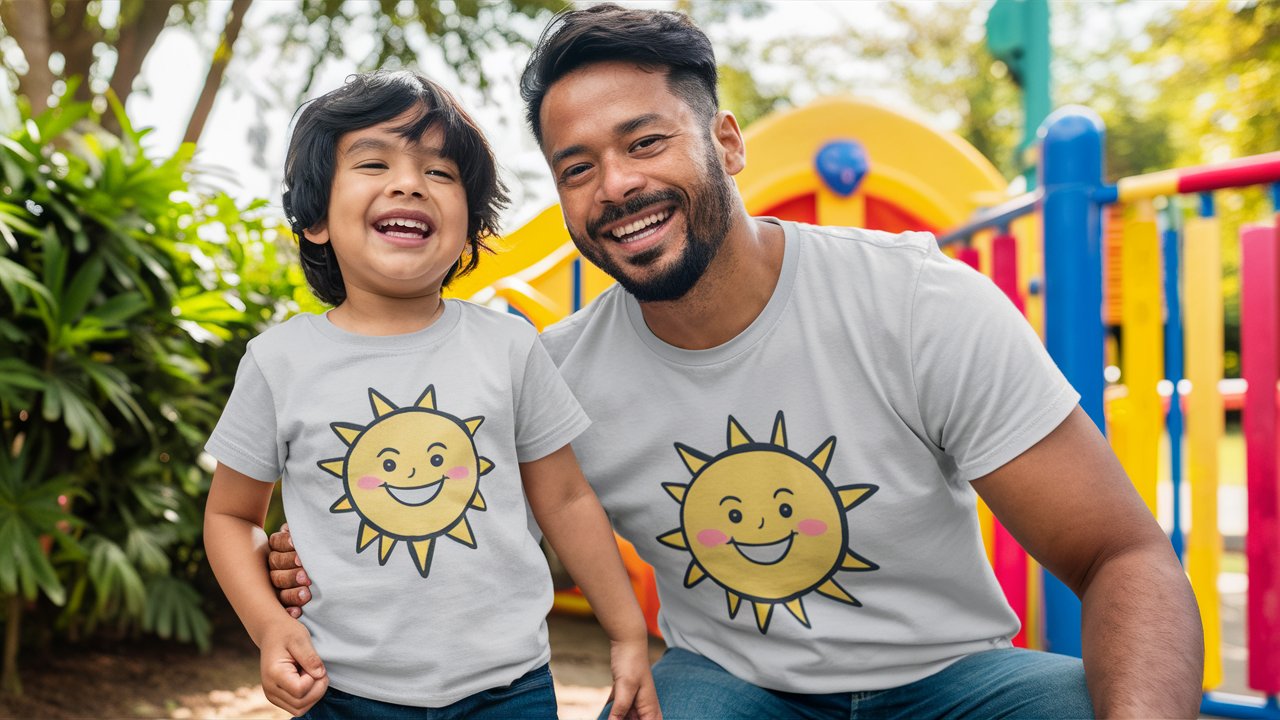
(642, 223)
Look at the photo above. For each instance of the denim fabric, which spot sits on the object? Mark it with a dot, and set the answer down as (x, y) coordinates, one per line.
(1005, 683)
(531, 696)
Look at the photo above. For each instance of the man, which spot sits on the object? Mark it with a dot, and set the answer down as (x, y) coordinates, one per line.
(790, 424)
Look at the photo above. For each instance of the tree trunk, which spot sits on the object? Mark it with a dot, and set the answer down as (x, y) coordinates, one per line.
(10, 683)
(137, 36)
(213, 81)
(27, 21)
(74, 38)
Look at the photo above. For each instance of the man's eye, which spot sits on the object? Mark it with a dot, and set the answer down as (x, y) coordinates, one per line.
(646, 142)
(574, 170)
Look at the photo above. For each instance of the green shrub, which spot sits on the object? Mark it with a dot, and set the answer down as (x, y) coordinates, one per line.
(126, 300)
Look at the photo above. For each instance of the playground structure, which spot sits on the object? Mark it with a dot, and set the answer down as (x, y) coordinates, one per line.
(845, 162)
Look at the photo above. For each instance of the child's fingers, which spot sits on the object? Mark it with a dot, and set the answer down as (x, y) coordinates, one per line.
(304, 654)
(313, 696)
(645, 706)
(624, 693)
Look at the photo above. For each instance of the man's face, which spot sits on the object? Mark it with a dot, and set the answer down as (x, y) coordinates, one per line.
(644, 191)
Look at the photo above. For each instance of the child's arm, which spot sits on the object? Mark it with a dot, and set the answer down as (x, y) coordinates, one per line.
(293, 677)
(574, 523)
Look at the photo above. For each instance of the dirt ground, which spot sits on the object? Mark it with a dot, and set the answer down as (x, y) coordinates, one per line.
(151, 679)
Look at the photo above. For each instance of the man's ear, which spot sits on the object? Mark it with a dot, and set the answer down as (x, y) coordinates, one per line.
(318, 233)
(728, 137)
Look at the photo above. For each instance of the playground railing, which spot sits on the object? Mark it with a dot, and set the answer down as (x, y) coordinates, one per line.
(1171, 315)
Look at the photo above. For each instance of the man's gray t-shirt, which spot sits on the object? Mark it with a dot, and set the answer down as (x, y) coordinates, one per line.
(802, 490)
(399, 458)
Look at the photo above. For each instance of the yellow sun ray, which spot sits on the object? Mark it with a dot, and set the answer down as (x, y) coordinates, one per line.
(763, 612)
(674, 539)
(779, 431)
(735, 602)
(797, 608)
(473, 424)
(421, 551)
(367, 535)
(386, 544)
(427, 399)
(822, 456)
(485, 465)
(381, 405)
(342, 505)
(737, 436)
(334, 467)
(693, 459)
(676, 490)
(851, 495)
(832, 589)
(854, 561)
(462, 532)
(694, 575)
(477, 502)
(347, 431)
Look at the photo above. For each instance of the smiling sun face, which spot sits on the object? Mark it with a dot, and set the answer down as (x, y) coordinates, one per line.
(766, 524)
(411, 475)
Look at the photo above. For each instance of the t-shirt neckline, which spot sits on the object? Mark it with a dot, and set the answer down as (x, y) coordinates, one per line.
(763, 323)
(443, 325)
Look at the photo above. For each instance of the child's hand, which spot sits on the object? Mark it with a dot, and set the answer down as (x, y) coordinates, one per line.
(293, 678)
(633, 696)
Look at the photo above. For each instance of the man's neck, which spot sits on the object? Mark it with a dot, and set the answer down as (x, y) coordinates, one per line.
(731, 294)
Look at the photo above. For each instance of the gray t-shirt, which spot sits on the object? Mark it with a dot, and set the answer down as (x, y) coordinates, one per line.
(802, 490)
(399, 458)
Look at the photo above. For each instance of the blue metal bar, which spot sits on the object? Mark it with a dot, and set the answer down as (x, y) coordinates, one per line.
(1070, 178)
(576, 269)
(1206, 205)
(993, 217)
(1275, 197)
(1173, 362)
(1240, 706)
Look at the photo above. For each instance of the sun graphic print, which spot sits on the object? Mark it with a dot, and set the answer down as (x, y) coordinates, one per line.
(411, 475)
(766, 524)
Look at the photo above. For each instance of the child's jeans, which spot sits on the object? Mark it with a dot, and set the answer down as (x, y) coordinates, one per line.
(531, 696)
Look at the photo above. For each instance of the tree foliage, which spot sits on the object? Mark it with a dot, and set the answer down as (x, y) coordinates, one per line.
(125, 303)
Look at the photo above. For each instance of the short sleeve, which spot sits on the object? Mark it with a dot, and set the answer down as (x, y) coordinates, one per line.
(245, 437)
(986, 387)
(548, 416)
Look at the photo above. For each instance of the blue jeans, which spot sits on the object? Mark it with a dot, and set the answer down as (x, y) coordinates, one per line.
(531, 696)
(1005, 683)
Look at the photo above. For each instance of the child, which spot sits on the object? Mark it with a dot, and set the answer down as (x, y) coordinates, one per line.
(408, 432)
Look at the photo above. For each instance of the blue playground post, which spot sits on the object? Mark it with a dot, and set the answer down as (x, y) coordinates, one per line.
(1071, 180)
(1173, 364)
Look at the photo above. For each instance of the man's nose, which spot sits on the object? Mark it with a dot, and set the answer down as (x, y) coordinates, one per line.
(619, 180)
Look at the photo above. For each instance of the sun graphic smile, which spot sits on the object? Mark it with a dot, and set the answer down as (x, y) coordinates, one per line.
(764, 553)
(734, 496)
(382, 460)
(415, 495)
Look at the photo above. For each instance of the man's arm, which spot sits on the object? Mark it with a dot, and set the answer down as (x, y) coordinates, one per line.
(1068, 501)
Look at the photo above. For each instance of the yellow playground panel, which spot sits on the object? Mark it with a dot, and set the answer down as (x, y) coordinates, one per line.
(836, 161)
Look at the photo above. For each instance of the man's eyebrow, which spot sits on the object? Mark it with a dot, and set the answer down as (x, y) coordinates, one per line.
(623, 128)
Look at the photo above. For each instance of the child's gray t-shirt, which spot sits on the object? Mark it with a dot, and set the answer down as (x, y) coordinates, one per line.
(399, 458)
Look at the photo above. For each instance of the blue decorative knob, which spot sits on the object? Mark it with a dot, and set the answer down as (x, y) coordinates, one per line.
(842, 164)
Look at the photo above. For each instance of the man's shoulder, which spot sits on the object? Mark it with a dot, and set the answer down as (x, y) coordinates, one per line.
(561, 337)
(855, 237)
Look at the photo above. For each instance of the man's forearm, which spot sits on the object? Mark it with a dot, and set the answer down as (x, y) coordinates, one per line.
(1143, 643)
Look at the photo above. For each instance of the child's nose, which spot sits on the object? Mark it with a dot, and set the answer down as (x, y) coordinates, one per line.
(407, 183)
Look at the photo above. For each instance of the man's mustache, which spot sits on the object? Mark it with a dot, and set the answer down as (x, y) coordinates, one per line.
(614, 213)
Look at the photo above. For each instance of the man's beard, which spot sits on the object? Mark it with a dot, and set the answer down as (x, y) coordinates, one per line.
(707, 210)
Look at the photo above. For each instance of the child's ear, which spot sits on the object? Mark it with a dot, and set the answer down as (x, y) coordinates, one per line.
(318, 233)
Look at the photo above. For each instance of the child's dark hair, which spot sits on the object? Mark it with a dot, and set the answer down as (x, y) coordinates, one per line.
(365, 100)
(600, 33)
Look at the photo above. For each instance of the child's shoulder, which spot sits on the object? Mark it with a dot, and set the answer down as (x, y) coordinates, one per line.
(496, 322)
(284, 334)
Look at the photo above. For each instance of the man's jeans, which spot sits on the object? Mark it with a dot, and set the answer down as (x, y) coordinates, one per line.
(532, 696)
(1006, 683)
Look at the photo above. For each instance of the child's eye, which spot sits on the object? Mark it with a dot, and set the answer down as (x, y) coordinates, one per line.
(441, 174)
(371, 165)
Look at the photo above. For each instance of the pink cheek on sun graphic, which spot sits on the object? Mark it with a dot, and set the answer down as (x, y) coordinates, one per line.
(712, 537)
(457, 473)
(369, 482)
(811, 527)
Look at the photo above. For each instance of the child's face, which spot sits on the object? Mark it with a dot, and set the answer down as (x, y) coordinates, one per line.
(397, 216)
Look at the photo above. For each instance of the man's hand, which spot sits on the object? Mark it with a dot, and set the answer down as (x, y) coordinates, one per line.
(287, 573)
(293, 677)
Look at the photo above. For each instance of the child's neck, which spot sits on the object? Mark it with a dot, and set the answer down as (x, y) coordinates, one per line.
(365, 314)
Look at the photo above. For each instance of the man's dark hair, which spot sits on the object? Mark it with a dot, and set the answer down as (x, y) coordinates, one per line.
(365, 100)
(652, 39)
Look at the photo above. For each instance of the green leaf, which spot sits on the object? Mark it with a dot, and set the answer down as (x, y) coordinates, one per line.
(83, 285)
(116, 582)
(173, 611)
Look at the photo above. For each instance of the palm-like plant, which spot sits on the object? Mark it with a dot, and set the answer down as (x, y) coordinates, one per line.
(125, 303)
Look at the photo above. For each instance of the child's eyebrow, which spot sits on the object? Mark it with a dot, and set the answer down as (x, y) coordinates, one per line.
(373, 144)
